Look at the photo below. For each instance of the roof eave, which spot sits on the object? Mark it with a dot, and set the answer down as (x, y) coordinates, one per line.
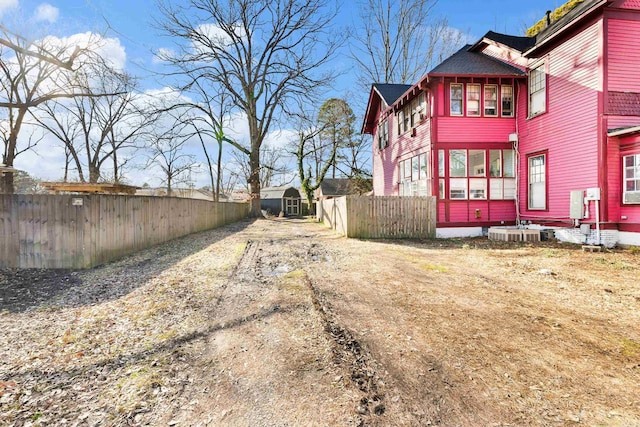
(625, 131)
(563, 30)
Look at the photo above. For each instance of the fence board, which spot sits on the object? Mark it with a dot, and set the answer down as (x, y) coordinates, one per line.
(381, 217)
(48, 231)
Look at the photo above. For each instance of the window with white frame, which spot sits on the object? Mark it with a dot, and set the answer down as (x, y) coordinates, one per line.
(418, 110)
(631, 170)
(456, 91)
(537, 90)
(473, 99)
(538, 182)
(507, 101)
(467, 176)
(383, 136)
(491, 100)
(502, 181)
(414, 176)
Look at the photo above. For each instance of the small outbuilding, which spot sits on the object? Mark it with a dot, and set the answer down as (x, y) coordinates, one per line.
(332, 187)
(274, 200)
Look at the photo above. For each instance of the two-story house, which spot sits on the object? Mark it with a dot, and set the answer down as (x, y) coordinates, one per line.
(541, 130)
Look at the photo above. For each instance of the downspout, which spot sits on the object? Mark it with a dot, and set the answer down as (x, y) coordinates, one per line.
(517, 151)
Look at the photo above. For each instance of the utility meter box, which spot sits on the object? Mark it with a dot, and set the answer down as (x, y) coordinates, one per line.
(576, 210)
(593, 194)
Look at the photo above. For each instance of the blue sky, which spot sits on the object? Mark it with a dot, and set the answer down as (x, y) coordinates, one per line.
(129, 25)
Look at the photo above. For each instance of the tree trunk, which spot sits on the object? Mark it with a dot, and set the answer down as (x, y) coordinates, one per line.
(94, 174)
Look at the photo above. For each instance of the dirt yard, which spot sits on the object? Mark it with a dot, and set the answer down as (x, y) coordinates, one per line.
(284, 323)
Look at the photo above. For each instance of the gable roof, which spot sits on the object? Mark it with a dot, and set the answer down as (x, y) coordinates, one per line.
(278, 192)
(381, 96)
(390, 92)
(519, 43)
(465, 62)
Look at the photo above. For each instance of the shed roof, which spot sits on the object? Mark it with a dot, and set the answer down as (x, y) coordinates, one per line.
(465, 62)
(276, 192)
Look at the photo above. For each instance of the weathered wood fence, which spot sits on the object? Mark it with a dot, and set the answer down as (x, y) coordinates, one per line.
(70, 231)
(380, 217)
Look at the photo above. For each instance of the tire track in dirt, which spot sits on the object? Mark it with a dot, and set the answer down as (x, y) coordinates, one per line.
(349, 352)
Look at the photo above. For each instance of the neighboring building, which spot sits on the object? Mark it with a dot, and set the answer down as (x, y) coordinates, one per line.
(506, 130)
(274, 200)
(187, 193)
(337, 187)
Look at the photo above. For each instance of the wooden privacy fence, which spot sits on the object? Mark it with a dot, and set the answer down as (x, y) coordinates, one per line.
(82, 231)
(384, 217)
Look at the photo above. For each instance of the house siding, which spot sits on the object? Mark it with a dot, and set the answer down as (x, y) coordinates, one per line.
(506, 55)
(474, 129)
(569, 130)
(401, 147)
(623, 55)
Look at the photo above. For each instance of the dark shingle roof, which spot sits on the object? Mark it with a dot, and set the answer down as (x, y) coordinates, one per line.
(464, 62)
(518, 43)
(336, 187)
(390, 92)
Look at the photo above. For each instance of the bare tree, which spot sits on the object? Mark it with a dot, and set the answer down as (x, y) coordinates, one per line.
(31, 73)
(166, 151)
(99, 128)
(265, 54)
(274, 170)
(400, 40)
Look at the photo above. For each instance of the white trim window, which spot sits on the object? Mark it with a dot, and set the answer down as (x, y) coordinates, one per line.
(414, 176)
(502, 181)
(456, 96)
(383, 135)
(631, 170)
(491, 100)
(538, 182)
(507, 101)
(537, 91)
(473, 99)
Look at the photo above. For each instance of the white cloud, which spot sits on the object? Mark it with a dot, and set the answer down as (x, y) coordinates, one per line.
(46, 13)
(6, 5)
(162, 54)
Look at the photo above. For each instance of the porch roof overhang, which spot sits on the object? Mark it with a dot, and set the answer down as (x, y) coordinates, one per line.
(623, 131)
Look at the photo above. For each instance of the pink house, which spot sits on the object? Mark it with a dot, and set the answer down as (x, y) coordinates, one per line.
(540, 131)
